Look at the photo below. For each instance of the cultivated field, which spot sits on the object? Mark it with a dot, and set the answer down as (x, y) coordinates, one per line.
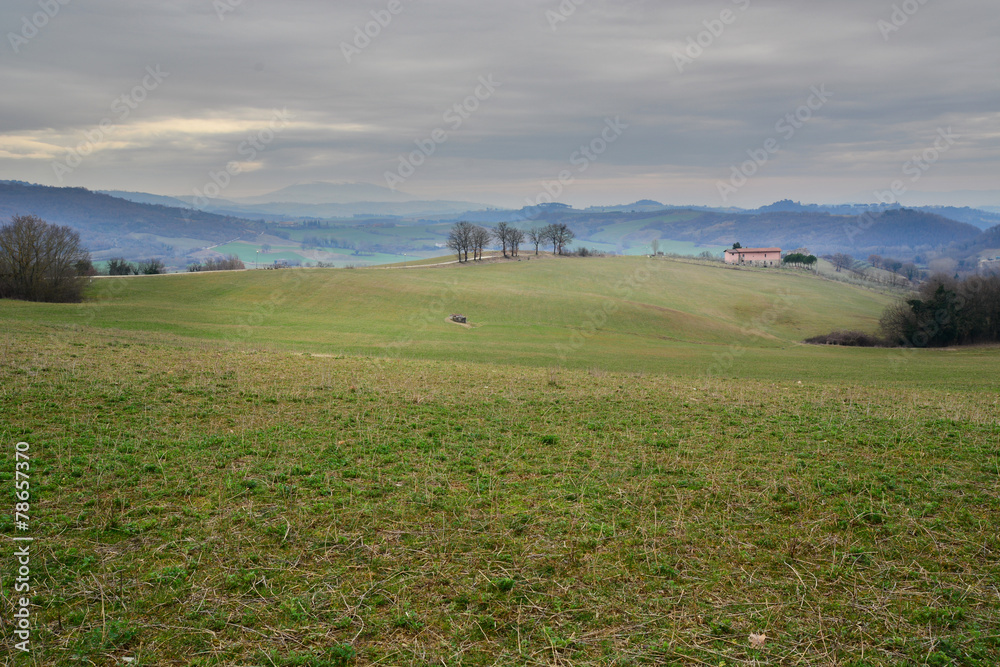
(310, 468)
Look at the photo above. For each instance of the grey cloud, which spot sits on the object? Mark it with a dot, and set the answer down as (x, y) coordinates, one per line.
(608, 58)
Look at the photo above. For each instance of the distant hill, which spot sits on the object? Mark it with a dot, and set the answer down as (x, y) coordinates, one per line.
(980, 218)
(326, 192)
(146, 198)
(641, 205)
(117, 226)
(969, 252)
(974, 216)
(289, 211)
(896, 232)
(110, 225)
(324, 199)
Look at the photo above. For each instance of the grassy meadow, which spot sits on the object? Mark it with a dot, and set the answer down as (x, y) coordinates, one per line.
(620, 461)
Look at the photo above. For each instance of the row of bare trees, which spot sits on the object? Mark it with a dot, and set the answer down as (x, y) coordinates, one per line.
(465, 237)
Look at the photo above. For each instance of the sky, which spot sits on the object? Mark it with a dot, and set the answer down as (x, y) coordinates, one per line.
(586, 102)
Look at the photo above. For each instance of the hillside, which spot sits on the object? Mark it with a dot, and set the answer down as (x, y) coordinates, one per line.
(612, 313)
(137, 229)
(111, 226)
(981, 218)
(146, 198)
(293, 210)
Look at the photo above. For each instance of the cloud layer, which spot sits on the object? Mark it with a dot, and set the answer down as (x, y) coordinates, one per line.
(702, 87)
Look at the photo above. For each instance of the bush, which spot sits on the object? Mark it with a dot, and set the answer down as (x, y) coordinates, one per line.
(848, 339)
(119, 266)
(150, 267)
(85, 267)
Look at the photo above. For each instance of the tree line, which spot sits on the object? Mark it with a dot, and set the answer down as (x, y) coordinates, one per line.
(466, 237)
(227, 263)
(800, 258)
(944, 311)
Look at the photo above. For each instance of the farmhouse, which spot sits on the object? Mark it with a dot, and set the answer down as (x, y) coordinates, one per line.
(754, 256)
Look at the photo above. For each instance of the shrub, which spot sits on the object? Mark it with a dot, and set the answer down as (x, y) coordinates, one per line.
(848, 339)
(150, 267)
(119, 266)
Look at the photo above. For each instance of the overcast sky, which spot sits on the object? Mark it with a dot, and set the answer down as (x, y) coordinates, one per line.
(287, 92)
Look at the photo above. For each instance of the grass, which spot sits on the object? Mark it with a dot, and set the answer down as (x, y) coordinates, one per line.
(202, 505)
(356, 481)
(612, 314)
(616, 314)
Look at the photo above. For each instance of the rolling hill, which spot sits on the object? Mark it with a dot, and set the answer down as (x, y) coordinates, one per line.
(111, 226)
(903, 232)
(136, 225)
(615, 313)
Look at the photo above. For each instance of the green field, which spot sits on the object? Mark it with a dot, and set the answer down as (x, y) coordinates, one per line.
(622, 461)
(612, 314)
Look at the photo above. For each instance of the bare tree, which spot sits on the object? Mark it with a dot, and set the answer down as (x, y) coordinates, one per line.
(460, 239)
(516, 238)
(840, 260)
(656, 246)
(875, 260)
(38, 261)
(548, 236)
(535, 235)
(119, 266)
(227, 263)
(559, 235)
(480, 239)
(502, 234)
(151, 267)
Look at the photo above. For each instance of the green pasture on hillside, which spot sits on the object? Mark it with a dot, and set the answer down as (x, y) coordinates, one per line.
(621, 461)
